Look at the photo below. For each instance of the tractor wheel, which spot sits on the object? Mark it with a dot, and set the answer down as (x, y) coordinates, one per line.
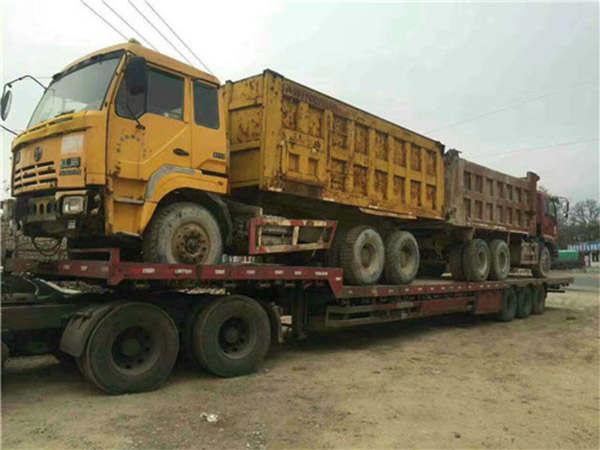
(132, 349)
(231, 336)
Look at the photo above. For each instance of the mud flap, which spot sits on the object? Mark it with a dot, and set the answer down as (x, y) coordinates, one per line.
(274, 315)
(80, 326)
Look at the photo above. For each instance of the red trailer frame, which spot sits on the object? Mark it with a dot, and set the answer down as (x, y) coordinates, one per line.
(314, 297)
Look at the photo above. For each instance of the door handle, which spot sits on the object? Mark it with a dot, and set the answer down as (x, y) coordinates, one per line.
(181, 152)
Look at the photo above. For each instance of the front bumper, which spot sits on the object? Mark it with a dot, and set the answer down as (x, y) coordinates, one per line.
(54, 216)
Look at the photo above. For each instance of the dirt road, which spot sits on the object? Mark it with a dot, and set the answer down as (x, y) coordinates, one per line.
(450, 382)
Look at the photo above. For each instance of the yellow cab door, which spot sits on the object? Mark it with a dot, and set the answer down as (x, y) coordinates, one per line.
(209, 142)
(139, 152)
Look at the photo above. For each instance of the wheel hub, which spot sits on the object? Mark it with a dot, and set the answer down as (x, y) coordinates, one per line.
(191, 244)
(132, 348)
(234, 336)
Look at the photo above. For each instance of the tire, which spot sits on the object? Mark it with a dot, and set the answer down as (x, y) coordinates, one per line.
(231, 336)
(183, 233)
(542, 268)
(132, 349)
(362, 255)
(539, 300)
(524, 303)
(187, 333)
(500, 260)
(476, 260)
(401, 257)
(432, 270)
(508, 307)
(455, 261)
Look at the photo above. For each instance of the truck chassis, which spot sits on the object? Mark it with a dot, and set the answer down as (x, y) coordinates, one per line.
(221, 317)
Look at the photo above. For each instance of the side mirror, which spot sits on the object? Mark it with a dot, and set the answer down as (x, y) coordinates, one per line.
(5, 103)
(136, 75)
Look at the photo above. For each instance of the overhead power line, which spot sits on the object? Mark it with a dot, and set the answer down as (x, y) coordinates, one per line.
(520, 150)
(103, 19)
(177, 36)
(159, 32)
(129, 25)
(512, 105)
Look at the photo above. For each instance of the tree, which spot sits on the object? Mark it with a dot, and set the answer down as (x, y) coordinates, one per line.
(583, 224)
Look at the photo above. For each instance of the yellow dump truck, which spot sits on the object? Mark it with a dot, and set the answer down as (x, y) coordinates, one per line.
(130, 147)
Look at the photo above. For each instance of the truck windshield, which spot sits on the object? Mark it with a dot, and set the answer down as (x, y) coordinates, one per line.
(81, 89)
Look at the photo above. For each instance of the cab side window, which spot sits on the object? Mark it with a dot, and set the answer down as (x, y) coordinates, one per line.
(206, 105)
(164, 96)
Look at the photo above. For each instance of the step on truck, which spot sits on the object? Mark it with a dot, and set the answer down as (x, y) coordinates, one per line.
(130, 148)
(128, 338)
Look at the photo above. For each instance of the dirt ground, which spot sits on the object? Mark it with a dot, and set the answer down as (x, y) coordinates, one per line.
(450, 382)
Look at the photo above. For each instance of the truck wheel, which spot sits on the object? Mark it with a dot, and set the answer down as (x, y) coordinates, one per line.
(509, 306)
(539, 300)
(476, 260)
(401, 257)
(542, 268)
(132, 349)
(524, 303)
(500, 260)
(455, 261)
(362, 255)
(231, 336)
(183, 233)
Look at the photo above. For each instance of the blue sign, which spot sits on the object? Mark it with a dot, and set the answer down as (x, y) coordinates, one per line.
(585, 247)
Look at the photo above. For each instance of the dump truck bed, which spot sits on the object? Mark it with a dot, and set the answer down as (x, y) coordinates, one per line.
(288, 138)
(482, 198)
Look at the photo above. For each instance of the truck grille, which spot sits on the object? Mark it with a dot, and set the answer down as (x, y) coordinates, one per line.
(37, 176)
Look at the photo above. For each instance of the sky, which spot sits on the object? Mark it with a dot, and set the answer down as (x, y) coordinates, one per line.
(514, 86)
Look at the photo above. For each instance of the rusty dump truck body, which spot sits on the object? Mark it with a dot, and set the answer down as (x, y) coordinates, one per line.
(288, 138)
(486, 199)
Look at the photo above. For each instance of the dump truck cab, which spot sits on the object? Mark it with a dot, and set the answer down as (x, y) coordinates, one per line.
(547, 220)
(114, 135)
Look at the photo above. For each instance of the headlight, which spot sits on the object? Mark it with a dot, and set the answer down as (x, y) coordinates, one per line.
(73, 204)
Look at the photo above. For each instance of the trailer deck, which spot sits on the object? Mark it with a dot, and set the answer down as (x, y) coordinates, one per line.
(247, 300)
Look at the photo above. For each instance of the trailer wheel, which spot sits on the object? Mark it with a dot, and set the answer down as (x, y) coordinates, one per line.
(539, 300)
(132, 349)
(362, 255)
(401, 257)
(524, 303)
(455, 261)
(500, 260)
(542, 268)
(509, 306)
(476, 260)
(183, 233)
(231, 336)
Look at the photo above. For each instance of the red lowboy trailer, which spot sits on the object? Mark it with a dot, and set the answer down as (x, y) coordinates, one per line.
(222, 317)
